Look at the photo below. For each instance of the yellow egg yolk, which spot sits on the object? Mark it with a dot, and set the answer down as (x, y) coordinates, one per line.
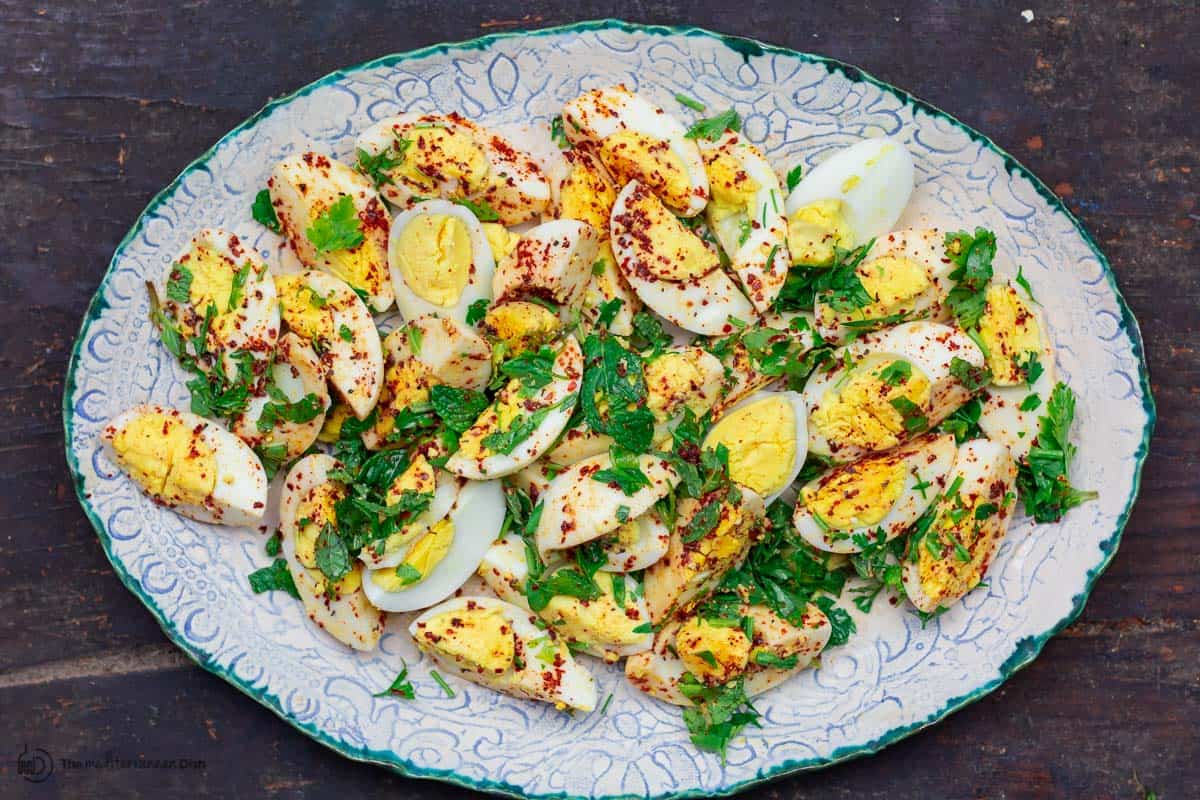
(312, 514)
(634, 156)
(1011, 333)
(664, 247)
(587, 195)
(405, 384)
(212, 279)
(731, 187)
(761, 439)
(721, 545)
(599, 621)
(521, 325)
(331, 431)
(304, 310)
(857, 495)
(498, 417)
(480, 638)
(501, 241)
(861, 413)
(433, 253)
(629, 534)
(949, 576)
(893, 282)
(714, 654)
(815, 230)
(671, 380)
(425, 554)
(167, 459)
(441, 155)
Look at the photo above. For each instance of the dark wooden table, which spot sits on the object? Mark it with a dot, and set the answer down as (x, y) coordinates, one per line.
(102, 104)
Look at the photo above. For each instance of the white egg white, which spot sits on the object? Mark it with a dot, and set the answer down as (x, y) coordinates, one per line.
(873, 179)
(477, 514)
(239, 495)
(505, 569)
(927, 459)
(653, 539)
(445, 497)
(305, 186)
(600, 113)
(691, 570)
(984, 472)
(552, 261)
(348, 617)
(563, 680)
(483, 264)
(577, 508)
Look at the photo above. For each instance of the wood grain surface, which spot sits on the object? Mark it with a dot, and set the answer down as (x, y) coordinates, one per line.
(102, 104)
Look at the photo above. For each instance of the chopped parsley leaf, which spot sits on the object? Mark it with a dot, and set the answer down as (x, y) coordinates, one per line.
(263, 212)
(713, 127)
(337, 227)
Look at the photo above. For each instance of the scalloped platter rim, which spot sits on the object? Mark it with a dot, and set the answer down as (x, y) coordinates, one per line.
(890, 681)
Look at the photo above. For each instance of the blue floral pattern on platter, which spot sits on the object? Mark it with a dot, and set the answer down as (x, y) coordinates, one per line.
(890, 680)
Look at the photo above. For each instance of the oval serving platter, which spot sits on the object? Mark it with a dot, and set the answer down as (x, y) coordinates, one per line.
(891, 680)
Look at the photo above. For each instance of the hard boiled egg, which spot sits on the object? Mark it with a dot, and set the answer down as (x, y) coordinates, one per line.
(885, 388)
(747, 369)
(746, 214)
(583, 189)
(498, 645)
(717, 653)
(522, 422)
(347, 241)
(906, 273)
(853, 506)
(767, 439)
(290, 414)
(551, 262)
(638, 141)
(328, 314)
(576, 507)
(437, 562)
(855, 195)
(603, 626)
(677, 378)
(1014, 332)
(306, 506)
(441, 489)
(188, 464)
(219, 291)
(692, 569)
(956, 544)
(447, 156)
(427, 351)
(440, 260)
(607, 286)
(671, 269)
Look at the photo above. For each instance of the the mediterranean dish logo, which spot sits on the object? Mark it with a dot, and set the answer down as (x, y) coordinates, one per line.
(36, 765)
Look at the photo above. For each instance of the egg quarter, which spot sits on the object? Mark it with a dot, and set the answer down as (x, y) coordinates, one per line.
(552, 262)
(220, 292)
(333, 220)
(497, 644)
(637, 140)
(292, 411)
(440, 260)
(326, 312)
(188, 464)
